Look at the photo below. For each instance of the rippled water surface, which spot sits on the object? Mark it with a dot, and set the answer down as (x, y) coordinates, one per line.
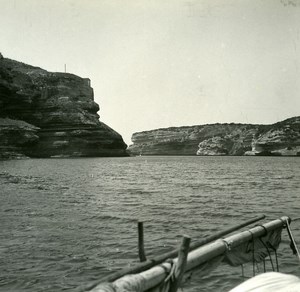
(66, 222)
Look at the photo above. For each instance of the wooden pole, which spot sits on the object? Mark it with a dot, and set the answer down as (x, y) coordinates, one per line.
(153, 277)
(141, 248)
(181, 263)
(140, 267)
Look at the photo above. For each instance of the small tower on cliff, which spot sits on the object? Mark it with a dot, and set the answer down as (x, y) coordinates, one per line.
(87, 81)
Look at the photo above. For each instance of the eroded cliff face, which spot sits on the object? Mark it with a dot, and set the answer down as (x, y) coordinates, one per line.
(220, 139)
(169, 141)
(282, 138)
(215, 139)
(59, 109)
(16, 138)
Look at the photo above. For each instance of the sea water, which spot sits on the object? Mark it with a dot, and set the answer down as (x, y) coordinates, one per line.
(66, 222)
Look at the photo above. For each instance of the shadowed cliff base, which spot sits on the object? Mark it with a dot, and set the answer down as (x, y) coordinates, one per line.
(279, 139)
(45, 114)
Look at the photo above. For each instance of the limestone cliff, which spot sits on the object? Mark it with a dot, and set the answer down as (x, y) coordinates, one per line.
(185, 140)
(16, 138)
(220, 139)
(282, 138)
(58, 110)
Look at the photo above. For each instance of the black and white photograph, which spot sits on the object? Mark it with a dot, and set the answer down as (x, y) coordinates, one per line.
(149, 145)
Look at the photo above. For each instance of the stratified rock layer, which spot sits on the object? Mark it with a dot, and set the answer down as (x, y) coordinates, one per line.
(58, 108)
(282, 138)
(16, 138)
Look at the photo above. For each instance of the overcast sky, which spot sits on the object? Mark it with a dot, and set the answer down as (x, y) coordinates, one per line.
(157, 63)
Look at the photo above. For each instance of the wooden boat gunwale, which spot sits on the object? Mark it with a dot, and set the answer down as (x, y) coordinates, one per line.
(157, 274)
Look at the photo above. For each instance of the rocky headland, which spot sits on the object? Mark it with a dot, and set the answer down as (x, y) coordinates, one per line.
(45, 114)
(281, 138)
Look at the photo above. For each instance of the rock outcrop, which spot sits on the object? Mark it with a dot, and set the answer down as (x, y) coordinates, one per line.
(282, 138)
(16, 138)
(55, 111)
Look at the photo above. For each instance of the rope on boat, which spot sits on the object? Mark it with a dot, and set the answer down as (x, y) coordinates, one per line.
(253, 252)
(222, 248)
(170, 277)
(293, 243)
(165, 285)
(269, 254)
(276, 256)
(268, 245)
